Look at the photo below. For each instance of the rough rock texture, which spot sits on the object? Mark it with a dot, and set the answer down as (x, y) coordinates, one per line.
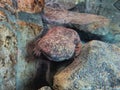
(8, 55)
(97, 67)
(86, 22)
(3, 3)
(15, 72)
(61, 4)
(30, 6)
(117, 44)
(45, 88)
(111, 10)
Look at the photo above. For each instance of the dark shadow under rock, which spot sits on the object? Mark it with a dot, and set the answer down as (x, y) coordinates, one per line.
(97, 67)
(46, 70)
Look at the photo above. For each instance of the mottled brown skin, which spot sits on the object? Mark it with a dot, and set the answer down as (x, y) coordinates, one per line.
(58, 44)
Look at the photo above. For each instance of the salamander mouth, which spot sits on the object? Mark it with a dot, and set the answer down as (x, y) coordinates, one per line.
(50, 57)
(57, 59)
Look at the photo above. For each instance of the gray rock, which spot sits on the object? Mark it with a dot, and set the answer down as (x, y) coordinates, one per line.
(45, 88)
(97, 68)
(111, 10)
(15, 72)
(8, 55)
(117, 44)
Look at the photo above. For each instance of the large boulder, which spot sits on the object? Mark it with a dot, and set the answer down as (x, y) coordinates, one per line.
(83, 21)
(109, 9)
(15, 72)
(97, 67)
(8, 55)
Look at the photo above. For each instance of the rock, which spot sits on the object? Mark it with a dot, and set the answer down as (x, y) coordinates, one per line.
(111, 10)
(15, 72)
(117, 44)
(26, 72)
(3, 3)
(97, 67)
(29, 6)
(45, 88)
(8, 55)
(61, 4)
(86, 22)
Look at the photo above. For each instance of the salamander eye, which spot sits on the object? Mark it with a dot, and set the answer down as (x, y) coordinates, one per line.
(55, 5)
(76, 41)
(41, 3)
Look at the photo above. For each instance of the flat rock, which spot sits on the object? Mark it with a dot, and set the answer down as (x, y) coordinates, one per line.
(87, 22)
(97, 67)
(61, 4)
(111, 10)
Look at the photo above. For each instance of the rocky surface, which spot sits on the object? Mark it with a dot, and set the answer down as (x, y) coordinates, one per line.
(45, 88)
(86, 22)
(15, 72)
(97, 67)
(8, 55)
(30, 6)
(3, 3)
(61, 4)
(111, 10)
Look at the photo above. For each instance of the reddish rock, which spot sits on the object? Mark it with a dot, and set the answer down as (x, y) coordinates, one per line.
(65, 17)
(30, 6)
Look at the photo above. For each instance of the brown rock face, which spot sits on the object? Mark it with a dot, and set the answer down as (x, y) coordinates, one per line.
(30, 6)
(5, 2)
(61, 4)
(89, 21)
(58, 44)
